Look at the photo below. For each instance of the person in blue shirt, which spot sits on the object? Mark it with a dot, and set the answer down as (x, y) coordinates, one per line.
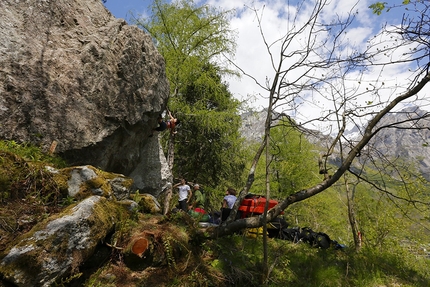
(228, 203)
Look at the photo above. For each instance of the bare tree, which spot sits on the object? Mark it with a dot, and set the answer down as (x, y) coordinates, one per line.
(319, 70)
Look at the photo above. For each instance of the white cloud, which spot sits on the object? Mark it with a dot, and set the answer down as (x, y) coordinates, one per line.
(252, 55)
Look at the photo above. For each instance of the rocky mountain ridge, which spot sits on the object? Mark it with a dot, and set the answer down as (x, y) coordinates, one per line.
(406, 136)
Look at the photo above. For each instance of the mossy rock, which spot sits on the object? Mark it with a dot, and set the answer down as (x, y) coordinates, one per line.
(149, 204)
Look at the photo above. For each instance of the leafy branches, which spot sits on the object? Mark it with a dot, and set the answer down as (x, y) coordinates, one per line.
(322, 74)
(379, 7)
(191, 39)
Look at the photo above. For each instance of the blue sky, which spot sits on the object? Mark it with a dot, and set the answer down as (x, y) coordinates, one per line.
(122, 8)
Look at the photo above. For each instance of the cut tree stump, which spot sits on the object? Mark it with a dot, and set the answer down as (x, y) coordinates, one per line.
(139, 246)
(138, 252)
(140, 243)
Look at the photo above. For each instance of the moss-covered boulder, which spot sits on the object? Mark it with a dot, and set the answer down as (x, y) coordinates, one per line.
(149, 204)
(87, 180)
(55, 248)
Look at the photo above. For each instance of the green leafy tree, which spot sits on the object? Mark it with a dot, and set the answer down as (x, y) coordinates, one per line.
(192, 39)
(292, 162)
(209, 146)
(189, 37)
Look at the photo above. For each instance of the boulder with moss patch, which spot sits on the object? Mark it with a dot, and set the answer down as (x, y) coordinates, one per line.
(87, 180)
(55, 248)
(76, 80)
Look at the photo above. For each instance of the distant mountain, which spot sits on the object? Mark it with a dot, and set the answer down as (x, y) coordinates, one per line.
(253, 129)
(405, 137)
(253, 125)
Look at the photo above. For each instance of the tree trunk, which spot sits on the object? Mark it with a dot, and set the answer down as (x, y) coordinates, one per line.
(138, 254)
(266, 206)
(170, 160)
(351, 217)
(167, 199)
(140, 244)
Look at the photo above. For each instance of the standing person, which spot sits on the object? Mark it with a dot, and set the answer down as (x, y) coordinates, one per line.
(169, 124)
(228, 203)
(185, 194)
(198, 204)
(199, 197)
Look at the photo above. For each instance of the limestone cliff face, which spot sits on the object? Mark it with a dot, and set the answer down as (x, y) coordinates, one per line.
(70, 72)
(405, 139)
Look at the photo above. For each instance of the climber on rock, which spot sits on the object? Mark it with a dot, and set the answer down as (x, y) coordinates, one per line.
(169, 124)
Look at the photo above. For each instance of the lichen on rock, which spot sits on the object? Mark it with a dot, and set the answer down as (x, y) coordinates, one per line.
(57, 245)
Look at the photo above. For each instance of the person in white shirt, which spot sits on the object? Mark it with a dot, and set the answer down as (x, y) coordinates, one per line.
(185, 194)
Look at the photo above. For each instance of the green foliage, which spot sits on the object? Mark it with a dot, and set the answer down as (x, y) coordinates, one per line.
(294, 160)
(394, 208)
(124, 228)
(293, 165)
(386, 220)
(239, 259)
(392, 265)
(30, 153)
(68, 200)
(168, 250)
(214, 196)
(378, 7)
(136, 196)
(190, 38)
(325, 212)
(22, 179)
(209, 147)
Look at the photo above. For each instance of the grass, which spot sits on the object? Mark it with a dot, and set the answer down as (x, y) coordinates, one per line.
(229, 261)
(239, 259)
(31, 153)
